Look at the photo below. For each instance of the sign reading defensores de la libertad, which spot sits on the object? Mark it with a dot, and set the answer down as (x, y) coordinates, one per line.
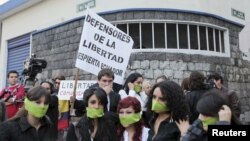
(103, 45)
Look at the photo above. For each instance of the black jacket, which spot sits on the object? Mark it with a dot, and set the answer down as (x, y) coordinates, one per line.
(192, 98)
(168, 131)
(234, 101)
(106, 130)
(21, 130)
(196, 132)
(53, 112)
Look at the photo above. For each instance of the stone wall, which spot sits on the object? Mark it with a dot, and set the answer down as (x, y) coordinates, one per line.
(58, 45)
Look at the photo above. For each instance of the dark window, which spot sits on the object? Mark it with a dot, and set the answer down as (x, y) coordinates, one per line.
(210, 39)
(183, 40)
(146, 31)
(203, 43)
(193, 37)
(135, 34)
(122, 27)
(222, 41)
(217, 40)
(159, 35)
(171, 36)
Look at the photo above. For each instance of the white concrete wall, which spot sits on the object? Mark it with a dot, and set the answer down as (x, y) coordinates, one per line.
(51, 12)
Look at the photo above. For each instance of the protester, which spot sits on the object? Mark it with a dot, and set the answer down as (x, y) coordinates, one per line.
(197, 89)
(161, 78)
(97, 124)
(213, 109)
(234, 102)
(133, 87)
(34, 126)
(185, 85)
(53, 106)
(63, 108)
(131, 128)
(105, 81)
(168, 104)
(12, 95)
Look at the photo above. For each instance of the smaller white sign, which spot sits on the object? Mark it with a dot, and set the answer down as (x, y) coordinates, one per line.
(67, 87)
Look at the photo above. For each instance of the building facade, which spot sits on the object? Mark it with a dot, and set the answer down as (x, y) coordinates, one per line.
(170, 37)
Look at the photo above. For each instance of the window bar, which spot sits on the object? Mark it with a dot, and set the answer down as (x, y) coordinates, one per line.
(153, 36)
(188, 36)
(165, 32)
(214, 40)
(207, 39)
(198, 37)
(140, 36)
(220, 42)
(177, 35)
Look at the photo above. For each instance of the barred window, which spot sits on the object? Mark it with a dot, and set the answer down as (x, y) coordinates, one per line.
(175, 35)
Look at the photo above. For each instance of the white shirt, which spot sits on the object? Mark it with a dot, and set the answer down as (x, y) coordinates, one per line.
(144, 135)
(132, 93)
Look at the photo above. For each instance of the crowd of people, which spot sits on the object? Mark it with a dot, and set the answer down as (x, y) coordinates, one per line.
(135, 111)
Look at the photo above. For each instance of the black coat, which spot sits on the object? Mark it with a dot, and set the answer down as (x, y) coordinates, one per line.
(21, 130)
(53, 112)
(192, 98)
(168, 131)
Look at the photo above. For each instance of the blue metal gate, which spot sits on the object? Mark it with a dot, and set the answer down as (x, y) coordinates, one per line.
(18, 51)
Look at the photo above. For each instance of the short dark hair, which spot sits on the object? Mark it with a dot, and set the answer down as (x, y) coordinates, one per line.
(12, 71)
(60, 77)
(216, 76)
(105, 72)
(196, 81)
(211, 103)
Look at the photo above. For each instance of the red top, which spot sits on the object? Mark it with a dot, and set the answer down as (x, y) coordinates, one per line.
(16, 93)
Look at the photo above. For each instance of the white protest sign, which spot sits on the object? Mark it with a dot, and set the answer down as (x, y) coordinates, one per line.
(67, 87)
(103, 45)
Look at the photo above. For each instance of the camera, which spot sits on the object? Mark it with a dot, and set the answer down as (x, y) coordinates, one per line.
(32, 66)
(209, 83)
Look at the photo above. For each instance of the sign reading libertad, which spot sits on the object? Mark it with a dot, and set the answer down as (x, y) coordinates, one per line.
(103, 45)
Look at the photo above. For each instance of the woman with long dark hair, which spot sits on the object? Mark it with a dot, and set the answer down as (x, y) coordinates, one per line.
(33, 125)
(97, 124)
(168, 104)
(133, 87)
(131, 128)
